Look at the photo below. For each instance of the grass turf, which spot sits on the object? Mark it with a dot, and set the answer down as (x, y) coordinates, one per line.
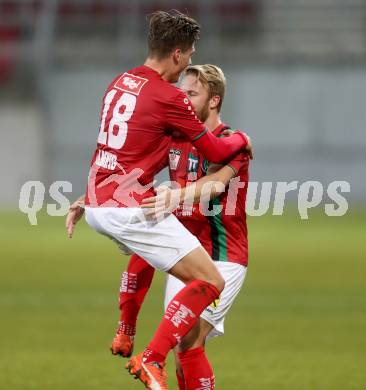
(298, 324)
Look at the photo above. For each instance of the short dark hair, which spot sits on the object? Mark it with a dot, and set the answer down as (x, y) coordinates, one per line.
(170, 30)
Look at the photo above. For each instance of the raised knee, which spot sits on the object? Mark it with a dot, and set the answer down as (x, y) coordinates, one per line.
(219, 283)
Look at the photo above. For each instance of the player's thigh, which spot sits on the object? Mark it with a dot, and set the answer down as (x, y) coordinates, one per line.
(197, 264)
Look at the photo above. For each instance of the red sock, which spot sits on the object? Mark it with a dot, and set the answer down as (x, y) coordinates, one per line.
(180, 316)
(197, 370)
(135, 283)
(180, 379)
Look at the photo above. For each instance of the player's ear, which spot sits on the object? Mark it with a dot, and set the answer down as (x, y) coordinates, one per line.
(176, 54)
(214, 102)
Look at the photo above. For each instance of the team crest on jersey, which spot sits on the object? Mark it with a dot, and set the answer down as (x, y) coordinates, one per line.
(130, 83)
(174, 157)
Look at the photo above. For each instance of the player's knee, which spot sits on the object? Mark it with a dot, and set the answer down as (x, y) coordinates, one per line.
(217, 280)
(220, 283)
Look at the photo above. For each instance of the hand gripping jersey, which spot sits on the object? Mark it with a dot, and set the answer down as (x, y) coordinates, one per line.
(139, 112)
(223, 235)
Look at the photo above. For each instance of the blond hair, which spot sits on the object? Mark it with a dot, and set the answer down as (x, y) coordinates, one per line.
(210, 76)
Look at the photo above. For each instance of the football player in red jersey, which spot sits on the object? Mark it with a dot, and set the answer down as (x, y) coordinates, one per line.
(140, 109)
(223, 236)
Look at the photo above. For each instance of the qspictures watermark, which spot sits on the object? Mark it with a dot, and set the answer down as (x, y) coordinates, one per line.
(32, 199)
(263, 198)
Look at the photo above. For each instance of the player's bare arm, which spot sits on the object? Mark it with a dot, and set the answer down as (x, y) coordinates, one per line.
(206, 188)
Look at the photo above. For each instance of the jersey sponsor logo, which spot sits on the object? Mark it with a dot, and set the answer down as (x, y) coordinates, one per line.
(174, 156)
(185, 210)
(192, 167)
(130, 83)
(192, 163)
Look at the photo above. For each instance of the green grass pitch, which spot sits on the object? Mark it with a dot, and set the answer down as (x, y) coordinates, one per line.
(298, 324)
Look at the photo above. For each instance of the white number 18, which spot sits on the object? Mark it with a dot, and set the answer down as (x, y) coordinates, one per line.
(118, 120)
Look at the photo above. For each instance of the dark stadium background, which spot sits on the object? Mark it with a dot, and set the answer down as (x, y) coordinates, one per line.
(296, 73)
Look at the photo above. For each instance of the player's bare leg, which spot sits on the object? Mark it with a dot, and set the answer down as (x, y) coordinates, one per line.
(198, 265)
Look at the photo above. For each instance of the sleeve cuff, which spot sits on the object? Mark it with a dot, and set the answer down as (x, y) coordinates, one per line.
(245, 138)
(200, 135)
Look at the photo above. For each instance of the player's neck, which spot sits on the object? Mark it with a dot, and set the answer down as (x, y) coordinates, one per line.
(159, 66)
(213, 121)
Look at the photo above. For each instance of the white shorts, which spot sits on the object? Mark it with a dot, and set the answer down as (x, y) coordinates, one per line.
(234, 275)
(162, 244)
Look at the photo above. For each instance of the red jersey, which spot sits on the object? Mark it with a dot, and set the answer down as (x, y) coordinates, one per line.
(228, 229)
(185, 167)
(139, 112)
(224, 235)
